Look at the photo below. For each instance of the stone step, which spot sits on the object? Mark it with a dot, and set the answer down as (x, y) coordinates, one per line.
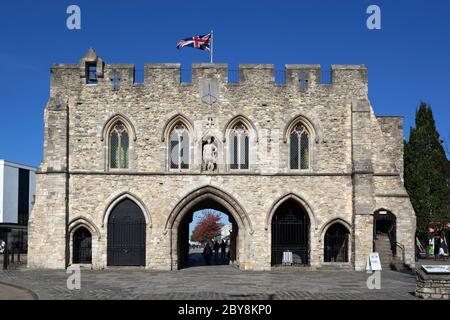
(336, 266)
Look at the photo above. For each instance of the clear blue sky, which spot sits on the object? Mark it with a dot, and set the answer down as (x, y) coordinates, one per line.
(408, 60)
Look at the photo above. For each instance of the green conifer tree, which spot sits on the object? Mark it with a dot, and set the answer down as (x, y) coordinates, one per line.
(426, 171)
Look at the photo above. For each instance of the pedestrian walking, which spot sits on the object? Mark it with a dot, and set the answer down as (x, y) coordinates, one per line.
(216, 248)
(207, 252)
(223, 249)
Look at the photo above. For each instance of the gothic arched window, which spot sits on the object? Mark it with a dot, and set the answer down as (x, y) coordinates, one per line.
(239, 147)
(179, 147)
(299, 148)
(119, 146)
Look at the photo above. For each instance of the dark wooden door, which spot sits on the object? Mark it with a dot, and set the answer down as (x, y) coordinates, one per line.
(126, 235)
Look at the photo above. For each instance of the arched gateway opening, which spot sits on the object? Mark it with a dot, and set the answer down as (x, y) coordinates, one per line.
(385, 234)
(290, 233)
(82, 246)
(336, 243)
(190, 257)
(207, 198)
(126, 235)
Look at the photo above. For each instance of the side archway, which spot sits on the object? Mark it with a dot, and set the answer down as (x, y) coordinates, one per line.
(84, 236)
(126, 242)
(82, 246)
(289, 223)
(336, 241)
(385, 233)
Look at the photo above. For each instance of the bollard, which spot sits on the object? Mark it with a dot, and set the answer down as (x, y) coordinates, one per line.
(6, 252)
(5, 259)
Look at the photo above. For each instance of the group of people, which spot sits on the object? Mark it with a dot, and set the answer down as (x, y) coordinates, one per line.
(214, 248)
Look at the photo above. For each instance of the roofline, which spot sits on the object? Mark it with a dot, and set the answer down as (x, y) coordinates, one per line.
(380, 116)
(18, 165)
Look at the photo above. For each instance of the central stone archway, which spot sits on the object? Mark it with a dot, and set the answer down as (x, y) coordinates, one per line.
(211, 198)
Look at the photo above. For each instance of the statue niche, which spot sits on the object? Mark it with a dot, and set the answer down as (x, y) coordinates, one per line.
(209, 148)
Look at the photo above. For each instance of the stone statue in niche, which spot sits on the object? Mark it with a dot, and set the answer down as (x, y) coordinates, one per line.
(209, 155)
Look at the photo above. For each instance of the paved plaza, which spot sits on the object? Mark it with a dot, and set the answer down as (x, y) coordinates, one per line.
(212, 282)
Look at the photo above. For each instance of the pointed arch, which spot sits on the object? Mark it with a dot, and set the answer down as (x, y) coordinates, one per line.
(196, 199)
(327, 225)
(300, 135)
(310, 126)
(118, 199)
(112, 121)
(78, 222)
(335, 236)
(169, 124)
(210, 192)
(289, 224)
(246, 121)
(284, 198)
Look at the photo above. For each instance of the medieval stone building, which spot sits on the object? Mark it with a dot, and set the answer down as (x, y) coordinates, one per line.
(300, 166)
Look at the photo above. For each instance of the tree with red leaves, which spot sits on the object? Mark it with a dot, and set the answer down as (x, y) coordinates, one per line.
(207, 228)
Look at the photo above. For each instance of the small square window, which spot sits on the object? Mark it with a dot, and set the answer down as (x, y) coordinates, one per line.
(92, 74)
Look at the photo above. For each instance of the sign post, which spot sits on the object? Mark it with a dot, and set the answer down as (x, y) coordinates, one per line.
(373, 262)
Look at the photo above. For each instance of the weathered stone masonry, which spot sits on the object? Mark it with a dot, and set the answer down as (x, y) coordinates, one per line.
(356, 157)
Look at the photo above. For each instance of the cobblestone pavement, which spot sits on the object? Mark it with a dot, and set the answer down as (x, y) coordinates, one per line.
(214, 282)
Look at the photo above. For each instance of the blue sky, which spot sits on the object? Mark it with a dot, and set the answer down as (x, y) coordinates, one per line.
(408, 60)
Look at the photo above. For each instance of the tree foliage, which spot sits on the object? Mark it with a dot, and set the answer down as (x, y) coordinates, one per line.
(426, 171)
(207, 228)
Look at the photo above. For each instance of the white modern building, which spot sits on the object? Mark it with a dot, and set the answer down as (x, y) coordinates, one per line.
(226, 231)
(17, 191)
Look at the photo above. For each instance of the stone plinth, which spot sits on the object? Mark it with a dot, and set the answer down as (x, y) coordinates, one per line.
(432, 286)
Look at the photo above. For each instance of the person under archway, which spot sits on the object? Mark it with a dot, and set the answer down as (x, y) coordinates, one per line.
(223, 249)
(207, 253)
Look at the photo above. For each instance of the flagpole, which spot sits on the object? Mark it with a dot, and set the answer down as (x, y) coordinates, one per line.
(211, 53)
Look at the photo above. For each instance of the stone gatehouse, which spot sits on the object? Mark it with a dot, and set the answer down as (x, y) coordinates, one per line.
(301, 166)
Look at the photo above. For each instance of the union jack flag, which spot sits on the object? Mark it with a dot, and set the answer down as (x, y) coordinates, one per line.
(197, 42)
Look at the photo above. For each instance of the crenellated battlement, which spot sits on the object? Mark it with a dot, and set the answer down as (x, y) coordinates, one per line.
(92, 70)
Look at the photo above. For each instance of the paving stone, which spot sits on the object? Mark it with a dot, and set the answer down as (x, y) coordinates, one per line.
(215, 283)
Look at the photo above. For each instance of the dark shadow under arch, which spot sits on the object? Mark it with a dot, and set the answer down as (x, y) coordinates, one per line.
(336, 243)
(82, 246)
(290, 233)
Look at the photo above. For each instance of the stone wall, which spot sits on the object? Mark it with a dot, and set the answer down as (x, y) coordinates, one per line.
(432, 286)
(356, 164)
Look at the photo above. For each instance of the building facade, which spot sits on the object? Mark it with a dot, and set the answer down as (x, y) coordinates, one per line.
(17, 191)
(300, 166)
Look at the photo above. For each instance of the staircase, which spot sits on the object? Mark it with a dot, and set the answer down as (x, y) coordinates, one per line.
(387, 259)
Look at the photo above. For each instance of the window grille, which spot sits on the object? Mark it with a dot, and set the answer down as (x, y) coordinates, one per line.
(239, 147)
(299, 148)
(179, 147)
(119, 147)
